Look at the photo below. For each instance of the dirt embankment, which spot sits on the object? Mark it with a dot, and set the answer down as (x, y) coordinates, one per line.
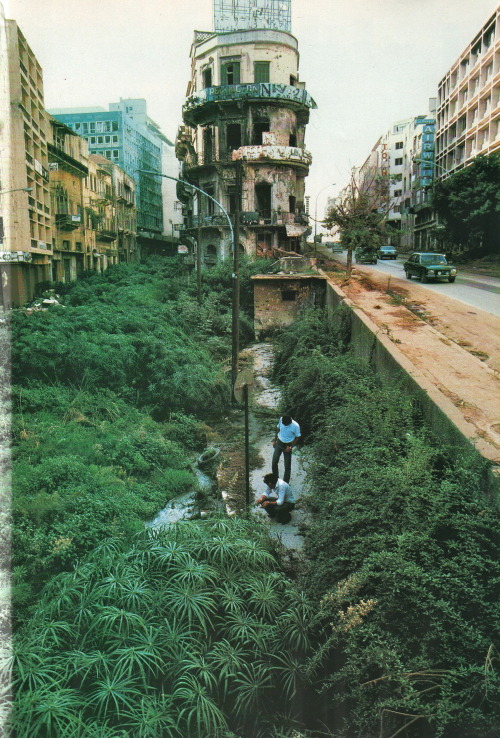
(453, 345)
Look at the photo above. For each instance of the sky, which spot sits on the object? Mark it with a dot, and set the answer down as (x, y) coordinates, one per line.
(367, 63)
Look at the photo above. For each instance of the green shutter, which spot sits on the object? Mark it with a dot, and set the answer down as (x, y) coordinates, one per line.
(261, 71)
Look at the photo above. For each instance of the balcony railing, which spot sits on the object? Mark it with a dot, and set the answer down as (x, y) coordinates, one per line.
(290, 154)
(104, 233)
(257, 218)
(68, 222)
(255, 91)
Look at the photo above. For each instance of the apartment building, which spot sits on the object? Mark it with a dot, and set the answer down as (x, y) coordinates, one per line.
(128, 137)
(25, 226)
(468, 114)
(243, 138)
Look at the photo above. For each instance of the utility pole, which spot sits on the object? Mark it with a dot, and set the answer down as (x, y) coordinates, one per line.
(198, 250)
(236, 277)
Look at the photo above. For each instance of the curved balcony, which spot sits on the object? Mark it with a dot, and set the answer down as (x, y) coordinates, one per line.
(271, 152)
(259, 91)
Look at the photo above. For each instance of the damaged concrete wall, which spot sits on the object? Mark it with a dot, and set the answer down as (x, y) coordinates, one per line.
(279, 298)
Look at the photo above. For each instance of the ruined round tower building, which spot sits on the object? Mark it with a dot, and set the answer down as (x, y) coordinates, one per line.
(243, 136)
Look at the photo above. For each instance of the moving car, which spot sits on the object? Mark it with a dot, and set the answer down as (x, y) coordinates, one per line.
(363, 256)
(387, 252)
(427, 266)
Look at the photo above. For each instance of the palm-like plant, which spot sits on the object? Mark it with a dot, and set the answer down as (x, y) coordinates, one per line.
(199, 715)
(194, 604)
(230, 598)
(227, 659)
(49, 711)
(265, 597)
(116, 695)
(154, 717)
(194, 573)
(144, 654)
(110, 620)
(252, 686)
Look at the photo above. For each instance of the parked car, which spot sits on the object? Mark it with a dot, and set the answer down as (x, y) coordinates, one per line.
(427, 266)
(363, 256)
(387, 252)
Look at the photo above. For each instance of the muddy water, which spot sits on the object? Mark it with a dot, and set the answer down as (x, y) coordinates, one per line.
(267, 396)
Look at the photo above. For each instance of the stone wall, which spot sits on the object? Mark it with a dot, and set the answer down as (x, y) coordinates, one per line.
(278, 299)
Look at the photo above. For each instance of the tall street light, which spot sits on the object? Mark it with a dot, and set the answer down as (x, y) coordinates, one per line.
(316, 211)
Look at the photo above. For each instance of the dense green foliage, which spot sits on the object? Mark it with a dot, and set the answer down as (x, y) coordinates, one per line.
(177, 636)
(403, 546)
(108, 393)
(468, 206)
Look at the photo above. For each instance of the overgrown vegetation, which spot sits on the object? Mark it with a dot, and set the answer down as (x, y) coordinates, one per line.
(403, 547)
(191, 632)
(468, 206)
(108, 401)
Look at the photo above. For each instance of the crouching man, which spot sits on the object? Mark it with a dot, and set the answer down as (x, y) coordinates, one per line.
(277, 500)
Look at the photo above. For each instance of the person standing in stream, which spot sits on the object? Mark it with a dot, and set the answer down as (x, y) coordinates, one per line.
(286, 437)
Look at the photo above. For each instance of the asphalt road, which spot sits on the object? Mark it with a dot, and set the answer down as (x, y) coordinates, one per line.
(472, 289)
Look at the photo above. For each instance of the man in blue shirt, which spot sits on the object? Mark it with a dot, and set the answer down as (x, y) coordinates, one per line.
(286, 437)
(278, 500)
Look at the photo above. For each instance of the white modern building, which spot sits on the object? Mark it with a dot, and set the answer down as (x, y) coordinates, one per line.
(468, 114)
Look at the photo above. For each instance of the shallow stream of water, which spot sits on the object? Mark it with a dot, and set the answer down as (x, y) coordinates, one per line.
(184, 506)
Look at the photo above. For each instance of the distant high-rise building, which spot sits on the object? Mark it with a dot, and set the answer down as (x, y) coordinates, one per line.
(468, 113)
(25, 224)
(127, 136)
(243, 138)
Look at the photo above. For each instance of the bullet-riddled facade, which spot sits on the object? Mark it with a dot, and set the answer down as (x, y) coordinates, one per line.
(246, 109)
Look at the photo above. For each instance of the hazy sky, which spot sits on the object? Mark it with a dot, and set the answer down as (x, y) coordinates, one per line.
(367, 63)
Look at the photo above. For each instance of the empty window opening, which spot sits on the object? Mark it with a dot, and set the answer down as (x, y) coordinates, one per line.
(293, 80)
(261, 71)
(263, 194)
(208, 144)
(293, 139)
(292, 203)
(260, 127)
(207, 77)
(233, 134)
(211, 250)
(233, 200)
(288, 295)
(230, 73)
(208, 205)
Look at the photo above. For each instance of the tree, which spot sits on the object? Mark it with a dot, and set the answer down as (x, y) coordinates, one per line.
(360, 213)
(468, 205)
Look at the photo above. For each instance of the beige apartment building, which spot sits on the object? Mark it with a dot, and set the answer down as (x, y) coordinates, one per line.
(94, 217)
(243, 138)
(468, 115)
(26, 234)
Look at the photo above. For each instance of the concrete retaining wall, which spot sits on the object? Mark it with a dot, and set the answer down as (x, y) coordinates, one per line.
(372, 345)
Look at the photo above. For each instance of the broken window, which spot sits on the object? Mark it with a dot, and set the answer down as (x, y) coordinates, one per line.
(230, 73)
(288, 295)
(233, 136)
(207, 77)
(261, 71)
(260, 127)
(263, 194)
(291, 204)
(293, 139)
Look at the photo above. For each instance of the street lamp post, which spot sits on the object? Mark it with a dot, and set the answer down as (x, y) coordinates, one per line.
(316, 211)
